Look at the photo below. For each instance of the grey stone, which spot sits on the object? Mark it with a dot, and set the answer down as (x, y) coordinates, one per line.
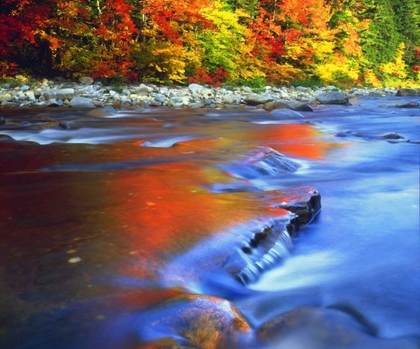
(270, 106)
(81, 102)
(54, 102)
(64, 93)
(195, 87)
(143, 90)
(409, 105)
(258, 99)
(408, 92)
(333, 98)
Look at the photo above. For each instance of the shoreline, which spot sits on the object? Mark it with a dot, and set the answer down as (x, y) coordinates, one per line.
(89, 94)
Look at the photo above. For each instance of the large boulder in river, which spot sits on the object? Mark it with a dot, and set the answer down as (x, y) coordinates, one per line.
(333, 98)
(402, 92)
(319, 328)
(270, 106)
(196, 321)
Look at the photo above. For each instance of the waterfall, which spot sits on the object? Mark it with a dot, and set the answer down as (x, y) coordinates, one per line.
(280, 250)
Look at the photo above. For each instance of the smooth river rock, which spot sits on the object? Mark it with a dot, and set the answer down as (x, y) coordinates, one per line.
(198, 321)
(332, 98)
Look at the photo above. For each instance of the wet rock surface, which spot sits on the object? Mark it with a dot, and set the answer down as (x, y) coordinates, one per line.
(201, 321)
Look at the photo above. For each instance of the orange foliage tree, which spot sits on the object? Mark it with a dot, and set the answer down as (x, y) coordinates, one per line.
(208, 41)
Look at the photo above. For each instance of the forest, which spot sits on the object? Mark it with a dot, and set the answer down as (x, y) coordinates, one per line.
(215, 42)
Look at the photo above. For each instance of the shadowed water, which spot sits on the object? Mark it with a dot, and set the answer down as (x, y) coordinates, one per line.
(103, 223)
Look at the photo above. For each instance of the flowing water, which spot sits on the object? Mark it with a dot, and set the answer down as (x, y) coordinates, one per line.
(103, 222)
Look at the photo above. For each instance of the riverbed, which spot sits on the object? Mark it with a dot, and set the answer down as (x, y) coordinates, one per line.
(105, 217)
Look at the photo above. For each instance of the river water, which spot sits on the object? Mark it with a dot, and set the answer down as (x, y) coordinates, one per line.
(103, 222)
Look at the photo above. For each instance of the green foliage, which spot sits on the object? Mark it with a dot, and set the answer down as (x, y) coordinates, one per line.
(312, 82)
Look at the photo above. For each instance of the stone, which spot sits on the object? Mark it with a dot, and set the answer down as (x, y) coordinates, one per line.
(409, 105)
(202, 321)
(143, 90)
(63, 93)
(305, 209)
(86, 80)
(7, 97)
(97, 103)
(402, 92)
(2, 120)
(255, 99)
(81, 102)
(270, 106)
(317, 328)
(392, 135)
(207, 93)
(30, 94)
(304, 107)
(333, 98)
(63, 125)
(195, 87)
(54, 102)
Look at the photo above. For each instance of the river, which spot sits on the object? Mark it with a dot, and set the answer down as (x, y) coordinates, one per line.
(105, 221)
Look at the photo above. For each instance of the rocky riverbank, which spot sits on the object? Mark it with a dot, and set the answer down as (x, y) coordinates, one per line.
(87, 93)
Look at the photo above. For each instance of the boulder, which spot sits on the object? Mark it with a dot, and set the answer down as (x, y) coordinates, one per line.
(402, 92)
(303, 107)
(81, 102)
(197, 321)
(332, 98)
(391, 135)
(195, 87)
(143, 90)
(318, 328)
(409, 105)
(270, 106)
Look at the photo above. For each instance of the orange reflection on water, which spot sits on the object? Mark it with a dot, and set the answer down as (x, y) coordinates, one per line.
(296, 140)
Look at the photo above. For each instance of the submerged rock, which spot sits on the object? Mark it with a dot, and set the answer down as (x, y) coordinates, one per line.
(285, 114)
(261, 161)
(409, 105)
(200, 321)
(391, 135)
(319, 328)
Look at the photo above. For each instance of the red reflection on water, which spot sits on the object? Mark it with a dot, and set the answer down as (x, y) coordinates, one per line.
(296, 140)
